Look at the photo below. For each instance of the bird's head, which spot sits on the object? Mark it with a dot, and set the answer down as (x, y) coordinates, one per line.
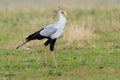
(59, 12)
(62, 12)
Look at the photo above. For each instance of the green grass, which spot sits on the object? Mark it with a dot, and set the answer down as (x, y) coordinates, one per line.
(96, 58)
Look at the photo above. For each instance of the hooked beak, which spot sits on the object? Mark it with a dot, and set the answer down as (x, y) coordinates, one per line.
(65, 13)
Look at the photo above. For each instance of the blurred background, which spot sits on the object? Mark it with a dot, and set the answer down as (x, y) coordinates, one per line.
(19, 4)
(89, 49)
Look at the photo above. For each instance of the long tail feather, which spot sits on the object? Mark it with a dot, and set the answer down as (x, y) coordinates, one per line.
(21, 44)
(33, 36)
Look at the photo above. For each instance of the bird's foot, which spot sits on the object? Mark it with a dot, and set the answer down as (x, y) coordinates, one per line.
(45, 64)
(56, 66)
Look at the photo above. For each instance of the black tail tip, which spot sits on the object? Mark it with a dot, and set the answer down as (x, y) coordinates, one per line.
(17, 47)
(22, 44)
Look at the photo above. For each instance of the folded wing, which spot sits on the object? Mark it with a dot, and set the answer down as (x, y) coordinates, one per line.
(48, 31)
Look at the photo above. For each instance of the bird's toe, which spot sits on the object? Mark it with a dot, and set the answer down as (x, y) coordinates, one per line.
(45, 64)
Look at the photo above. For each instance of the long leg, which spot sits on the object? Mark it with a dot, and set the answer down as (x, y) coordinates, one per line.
(45, 55)
(52, 43)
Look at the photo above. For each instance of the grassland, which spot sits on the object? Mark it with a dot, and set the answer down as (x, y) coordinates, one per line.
(90, 49)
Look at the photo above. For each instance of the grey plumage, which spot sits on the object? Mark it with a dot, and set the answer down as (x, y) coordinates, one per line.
(48, 30)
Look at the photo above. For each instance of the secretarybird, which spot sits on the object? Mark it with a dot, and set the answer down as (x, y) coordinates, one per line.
(52, 32)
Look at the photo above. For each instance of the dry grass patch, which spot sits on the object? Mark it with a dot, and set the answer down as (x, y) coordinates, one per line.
(79, 33)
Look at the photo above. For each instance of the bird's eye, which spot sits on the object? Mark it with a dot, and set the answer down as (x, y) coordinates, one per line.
(62, 12)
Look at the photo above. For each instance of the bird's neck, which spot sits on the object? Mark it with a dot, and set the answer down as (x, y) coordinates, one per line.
(62, 19)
